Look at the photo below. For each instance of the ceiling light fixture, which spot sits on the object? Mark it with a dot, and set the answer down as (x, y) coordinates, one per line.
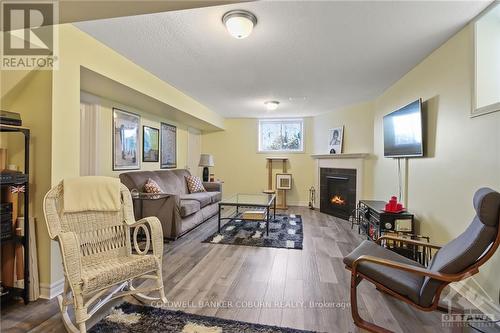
(271, 105)
(239, 23)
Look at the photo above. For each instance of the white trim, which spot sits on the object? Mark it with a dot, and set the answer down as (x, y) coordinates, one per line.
(337, 156)
(298, 203)
(49, 291)
(357, 163)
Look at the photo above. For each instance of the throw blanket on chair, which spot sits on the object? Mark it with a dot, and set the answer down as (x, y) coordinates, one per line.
(91, 193)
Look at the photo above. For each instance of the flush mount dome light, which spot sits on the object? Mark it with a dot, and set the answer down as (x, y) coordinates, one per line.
(271, 105)
(239, 23)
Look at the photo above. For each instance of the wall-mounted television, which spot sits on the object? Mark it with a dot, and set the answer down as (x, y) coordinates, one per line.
(403, 131)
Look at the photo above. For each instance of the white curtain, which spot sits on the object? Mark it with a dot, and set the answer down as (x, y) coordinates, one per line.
(89, 139)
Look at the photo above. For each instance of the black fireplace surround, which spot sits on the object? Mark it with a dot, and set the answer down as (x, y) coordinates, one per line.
(337, 191)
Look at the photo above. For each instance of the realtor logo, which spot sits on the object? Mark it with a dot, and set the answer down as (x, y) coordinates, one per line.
(28, 33)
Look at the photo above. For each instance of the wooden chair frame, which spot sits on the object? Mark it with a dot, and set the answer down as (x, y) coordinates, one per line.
(357, 277)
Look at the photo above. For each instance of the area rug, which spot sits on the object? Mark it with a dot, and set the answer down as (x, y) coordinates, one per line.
(138, 318)
(285, 231)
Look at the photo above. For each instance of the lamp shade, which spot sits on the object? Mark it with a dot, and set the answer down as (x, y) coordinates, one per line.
(206, 160)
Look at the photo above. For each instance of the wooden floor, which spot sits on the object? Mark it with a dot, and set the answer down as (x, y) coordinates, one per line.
(305, 289)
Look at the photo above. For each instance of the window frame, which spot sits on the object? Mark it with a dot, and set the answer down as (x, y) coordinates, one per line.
(280, 121)
(495, 106)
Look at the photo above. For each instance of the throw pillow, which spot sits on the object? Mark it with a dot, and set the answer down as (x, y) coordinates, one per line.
(152, 187)
(194, 184)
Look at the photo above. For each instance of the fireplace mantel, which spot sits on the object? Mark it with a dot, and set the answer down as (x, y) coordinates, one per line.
(340, 156)
(355, 161)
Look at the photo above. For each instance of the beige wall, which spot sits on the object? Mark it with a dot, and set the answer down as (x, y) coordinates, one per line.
(105, 167)
(464, 152)
(29, 93)
(358, 129)
(243, 169)
(78, 49)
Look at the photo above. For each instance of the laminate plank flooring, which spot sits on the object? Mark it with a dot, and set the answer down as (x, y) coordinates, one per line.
(304, 289)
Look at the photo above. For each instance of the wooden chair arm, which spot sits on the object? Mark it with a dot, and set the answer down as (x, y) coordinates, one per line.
(408, 241)
(413, 269)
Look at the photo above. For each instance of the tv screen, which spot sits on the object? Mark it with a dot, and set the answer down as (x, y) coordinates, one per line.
(403, 131)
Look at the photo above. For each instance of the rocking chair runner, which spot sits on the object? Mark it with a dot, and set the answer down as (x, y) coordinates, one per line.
(97, 255)
(421, 286)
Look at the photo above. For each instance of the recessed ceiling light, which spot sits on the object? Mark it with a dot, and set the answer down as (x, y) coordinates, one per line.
(239, 23)
(271, 105)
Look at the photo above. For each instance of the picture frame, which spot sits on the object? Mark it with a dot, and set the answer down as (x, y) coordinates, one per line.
(335, 140)
(125, 138)
(168, 156)
(150, 144)
(283, 181)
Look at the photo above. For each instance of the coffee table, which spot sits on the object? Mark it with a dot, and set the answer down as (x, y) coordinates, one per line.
(252, 201)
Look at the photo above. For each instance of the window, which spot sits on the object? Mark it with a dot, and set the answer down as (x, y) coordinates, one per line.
(281, 135)
(487, 62)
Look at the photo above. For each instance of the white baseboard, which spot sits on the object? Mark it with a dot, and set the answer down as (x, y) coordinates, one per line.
(298, 203)
(49, 291)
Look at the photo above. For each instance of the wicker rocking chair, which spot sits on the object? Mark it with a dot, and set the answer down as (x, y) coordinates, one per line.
(97, 255)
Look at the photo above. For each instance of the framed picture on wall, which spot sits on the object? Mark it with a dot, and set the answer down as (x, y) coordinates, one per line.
(335, 137)
(168, 146)
(126, 150)
(283, 181)
(150, 144)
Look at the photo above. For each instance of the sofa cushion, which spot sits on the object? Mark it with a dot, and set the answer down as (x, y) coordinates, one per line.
(188, 207)
(152, 187)
(203, 198)
(194, 184)
(215, 197)
(404, 283)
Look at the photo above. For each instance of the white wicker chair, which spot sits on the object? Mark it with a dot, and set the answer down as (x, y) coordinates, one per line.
(97, 255)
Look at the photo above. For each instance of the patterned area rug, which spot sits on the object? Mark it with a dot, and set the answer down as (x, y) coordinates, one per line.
(137, 318)
(284, 232)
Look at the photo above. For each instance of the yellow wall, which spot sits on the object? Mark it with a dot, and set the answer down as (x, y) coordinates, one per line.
(30, 95)
(76, 50)
(244, 170)
(147, 119)
(464, 152)
(79, 49)
(358, 129)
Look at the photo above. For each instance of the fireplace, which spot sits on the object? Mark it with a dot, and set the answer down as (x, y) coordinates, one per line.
(337, 191)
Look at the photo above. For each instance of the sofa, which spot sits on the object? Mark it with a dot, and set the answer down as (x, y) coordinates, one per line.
(179, 212)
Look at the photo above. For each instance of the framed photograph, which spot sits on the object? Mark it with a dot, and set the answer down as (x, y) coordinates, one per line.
(168, 146)
(335, 137)
(150, 144)
(126, 149)
(283, 181)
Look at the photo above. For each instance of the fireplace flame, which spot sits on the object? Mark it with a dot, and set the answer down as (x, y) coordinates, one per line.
(337, 199)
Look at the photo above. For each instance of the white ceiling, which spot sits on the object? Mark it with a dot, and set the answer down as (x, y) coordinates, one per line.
(312, 56)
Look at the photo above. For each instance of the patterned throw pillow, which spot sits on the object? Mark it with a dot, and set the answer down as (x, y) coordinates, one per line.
(194, 184)
(152, 187)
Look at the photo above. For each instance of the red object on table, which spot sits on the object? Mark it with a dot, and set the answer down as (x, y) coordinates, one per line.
(393, 205)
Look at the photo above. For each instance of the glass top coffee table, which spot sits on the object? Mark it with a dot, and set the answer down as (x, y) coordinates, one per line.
(258, 203)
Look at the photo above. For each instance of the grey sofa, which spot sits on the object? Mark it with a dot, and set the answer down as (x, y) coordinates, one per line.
(181, 211)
